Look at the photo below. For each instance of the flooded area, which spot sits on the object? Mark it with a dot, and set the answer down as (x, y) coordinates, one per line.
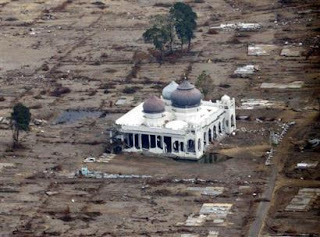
(209, 158)
(72, 116)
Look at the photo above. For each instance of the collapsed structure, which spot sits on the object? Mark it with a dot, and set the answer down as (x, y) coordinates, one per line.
(179, 124)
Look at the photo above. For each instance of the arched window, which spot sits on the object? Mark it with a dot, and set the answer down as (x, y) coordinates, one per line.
(191, 147)
(182, 146)
(210, 134)
(232, 121)
(176, 146)
(214, 132)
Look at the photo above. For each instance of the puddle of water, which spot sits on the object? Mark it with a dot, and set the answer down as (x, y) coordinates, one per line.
(71, 116)
(210, 158)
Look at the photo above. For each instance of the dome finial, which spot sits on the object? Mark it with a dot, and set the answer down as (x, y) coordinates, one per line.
(185, 77)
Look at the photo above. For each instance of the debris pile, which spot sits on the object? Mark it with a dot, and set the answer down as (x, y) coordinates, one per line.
(245, 71)
(307, 165)
(215, 212)
(290, 52)
(261, 49)
(292, 85)
(249, 104)
(304, 199)
(104, 158)
(85, 172)
(238, 26)
(208, 191)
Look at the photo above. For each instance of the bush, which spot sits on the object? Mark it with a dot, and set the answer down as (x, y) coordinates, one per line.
(60, 91)
(129, 90)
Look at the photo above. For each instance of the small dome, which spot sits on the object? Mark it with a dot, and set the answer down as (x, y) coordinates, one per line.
(167, 91)
(153, 105)
(186, 96)
(225, 98)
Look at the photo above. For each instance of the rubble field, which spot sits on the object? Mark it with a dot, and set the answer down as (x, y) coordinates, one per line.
(79, 65)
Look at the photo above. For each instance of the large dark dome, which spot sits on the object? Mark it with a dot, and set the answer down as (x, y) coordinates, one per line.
(186, 96)
(153, 105)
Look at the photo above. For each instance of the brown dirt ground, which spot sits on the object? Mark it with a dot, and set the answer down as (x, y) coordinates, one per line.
(92, 49)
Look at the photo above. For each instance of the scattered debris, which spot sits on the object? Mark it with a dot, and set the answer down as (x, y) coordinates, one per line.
(314, 142)
(303, 200)
(291, 52)
(269, 157)
(4, 165)
(84, 171)
(213, 233)
(195, 220)
(50, 193)
(246, 70)
(292, 85)
(305, 165)
(124, 100)
(261, 49)
(104, 158)
(4, 120)
(249, 104)
(39, 122)
(209, 191)
(215, 212)
(238, 26)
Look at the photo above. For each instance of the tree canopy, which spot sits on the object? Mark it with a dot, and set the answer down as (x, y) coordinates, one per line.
(179, 23)
(20, 120)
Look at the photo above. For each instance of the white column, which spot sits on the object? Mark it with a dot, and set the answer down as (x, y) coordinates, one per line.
(207, 137)
(133, 140)
(140, 141)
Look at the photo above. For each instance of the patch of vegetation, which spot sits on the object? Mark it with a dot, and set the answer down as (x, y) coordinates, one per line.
(60, 91)
(130, 90)
(179, 23)
(204, 83)
(20, 120)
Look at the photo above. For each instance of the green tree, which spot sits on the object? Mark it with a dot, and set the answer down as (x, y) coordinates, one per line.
(204, 83)
(166, 23)
(20, 120)
(158, 37)
(184, 22)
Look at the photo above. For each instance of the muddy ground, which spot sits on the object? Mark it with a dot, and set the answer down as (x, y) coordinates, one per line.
(85, 55)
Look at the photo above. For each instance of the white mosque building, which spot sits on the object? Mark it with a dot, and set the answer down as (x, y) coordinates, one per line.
(179, 124)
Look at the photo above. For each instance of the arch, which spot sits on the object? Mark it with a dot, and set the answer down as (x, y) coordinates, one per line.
(210, 134)
(176, 146)
(136, 141)
(191, 147)
(130, 140)
(167, 144)
(214, 132)
(159, 142)
(181, 146)
(219, 128)
(204, 138)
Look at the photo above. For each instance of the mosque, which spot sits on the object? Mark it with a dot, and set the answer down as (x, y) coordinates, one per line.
(179, 124)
